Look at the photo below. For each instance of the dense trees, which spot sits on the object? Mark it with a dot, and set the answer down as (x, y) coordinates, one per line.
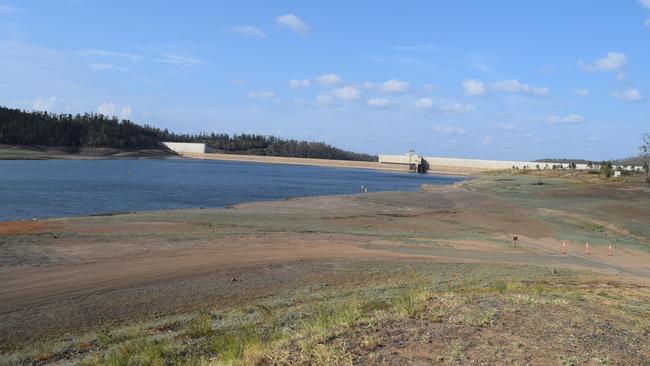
(251, 144)
(73, 132)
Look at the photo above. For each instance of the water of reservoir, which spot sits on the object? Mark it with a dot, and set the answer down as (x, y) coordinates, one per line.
(59, 188)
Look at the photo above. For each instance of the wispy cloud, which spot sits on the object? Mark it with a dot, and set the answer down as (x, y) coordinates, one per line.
(181, 60)
(504, 126)
(106, 66)
(266, 94)
(248, 31)
(456, 109)
(583, 92)
(6, 9)
(449, 130)
(569, 119)
(294, 23)
(421, 47)
(423, 103)
(628, 95)
(103, 53)
(515, 86)
(379, 103)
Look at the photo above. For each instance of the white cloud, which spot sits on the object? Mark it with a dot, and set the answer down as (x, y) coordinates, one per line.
(583, 92)
(515, 86)
(348, 93)
(456, 109)
(294, 23)
(44, 104)
(394, 86)
(570, 119)
(628, 95)
(647, 22)
(449, 130)
(111, 109)
(593, 139)
(614, 61)
(105, 66)
(329, 79)
(266, 94)
(645, 3)
(298, 84)
(248, 31)
(424, 103)
(474, 87)
(379, 103)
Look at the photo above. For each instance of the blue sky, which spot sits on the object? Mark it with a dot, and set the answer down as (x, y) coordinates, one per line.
(488, 79)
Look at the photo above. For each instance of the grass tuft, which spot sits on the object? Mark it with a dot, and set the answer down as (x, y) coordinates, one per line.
(199, 326)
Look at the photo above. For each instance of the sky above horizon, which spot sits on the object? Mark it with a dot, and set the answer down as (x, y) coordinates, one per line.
(516, 80)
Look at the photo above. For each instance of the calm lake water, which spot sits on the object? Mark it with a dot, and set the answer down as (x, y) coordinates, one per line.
(56, 188)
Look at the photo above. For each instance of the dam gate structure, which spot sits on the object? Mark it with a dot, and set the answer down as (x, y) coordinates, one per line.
(415, 163)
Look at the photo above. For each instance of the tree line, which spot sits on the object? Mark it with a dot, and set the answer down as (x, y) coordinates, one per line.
(90, 130)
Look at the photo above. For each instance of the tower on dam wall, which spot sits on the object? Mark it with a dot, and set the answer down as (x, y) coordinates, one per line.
(415, 162)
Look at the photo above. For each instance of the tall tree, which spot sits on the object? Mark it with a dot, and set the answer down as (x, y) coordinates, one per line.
(645, 153)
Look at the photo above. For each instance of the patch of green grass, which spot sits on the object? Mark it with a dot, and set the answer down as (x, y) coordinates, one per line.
(232, 346)
(500, 286)
(410, 302)
(199, 326)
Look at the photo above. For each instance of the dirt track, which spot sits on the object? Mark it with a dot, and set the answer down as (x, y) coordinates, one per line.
(73, 275)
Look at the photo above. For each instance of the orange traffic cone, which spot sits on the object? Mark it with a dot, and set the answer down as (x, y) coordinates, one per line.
(564, 247)
(609, 250)
(587, 249)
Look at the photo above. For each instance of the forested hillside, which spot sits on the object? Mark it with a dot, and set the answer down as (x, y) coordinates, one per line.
(89, 130)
